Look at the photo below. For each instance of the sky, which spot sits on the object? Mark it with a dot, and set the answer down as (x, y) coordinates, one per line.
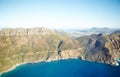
(80, 14)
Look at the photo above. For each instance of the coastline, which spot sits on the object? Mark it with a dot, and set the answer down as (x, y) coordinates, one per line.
(14, 67)
(49, 60)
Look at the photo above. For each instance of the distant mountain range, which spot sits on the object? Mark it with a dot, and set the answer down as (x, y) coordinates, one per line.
(103, 30)
(94, 30)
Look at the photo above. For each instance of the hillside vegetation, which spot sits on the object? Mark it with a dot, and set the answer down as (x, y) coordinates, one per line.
(29, 45)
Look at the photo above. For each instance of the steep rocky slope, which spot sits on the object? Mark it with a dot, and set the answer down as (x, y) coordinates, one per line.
(29, 45)
(101, 48)
(113, 45)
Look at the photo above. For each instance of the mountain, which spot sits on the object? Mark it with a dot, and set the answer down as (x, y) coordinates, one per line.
(34, 44)
(101, 48)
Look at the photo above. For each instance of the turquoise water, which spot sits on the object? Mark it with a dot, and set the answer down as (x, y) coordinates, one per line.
(65, 68)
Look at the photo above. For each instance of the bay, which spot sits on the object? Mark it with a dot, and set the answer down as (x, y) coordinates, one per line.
(64, 68)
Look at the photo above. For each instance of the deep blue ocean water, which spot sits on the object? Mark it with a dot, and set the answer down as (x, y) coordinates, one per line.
(65, 68)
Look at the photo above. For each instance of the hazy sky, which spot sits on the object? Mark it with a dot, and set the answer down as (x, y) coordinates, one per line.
(60, 13)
